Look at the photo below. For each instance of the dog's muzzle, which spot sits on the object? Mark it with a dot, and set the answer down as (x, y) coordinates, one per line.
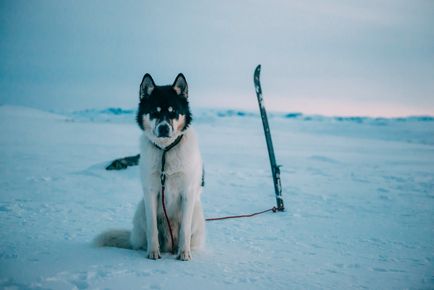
(163, 130)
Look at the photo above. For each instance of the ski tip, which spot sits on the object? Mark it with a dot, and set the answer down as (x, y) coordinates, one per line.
(258, 68)
(257, 73)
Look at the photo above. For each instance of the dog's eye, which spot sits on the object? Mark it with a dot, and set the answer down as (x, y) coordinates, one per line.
(172, 112)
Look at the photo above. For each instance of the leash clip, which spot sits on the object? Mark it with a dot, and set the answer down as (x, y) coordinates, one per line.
(163, 178)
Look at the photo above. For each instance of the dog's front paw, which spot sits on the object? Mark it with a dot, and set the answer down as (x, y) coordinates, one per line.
(184, 255)
(154, 255)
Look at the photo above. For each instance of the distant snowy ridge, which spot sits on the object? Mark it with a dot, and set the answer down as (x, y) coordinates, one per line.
(113, 114)
(410, 129)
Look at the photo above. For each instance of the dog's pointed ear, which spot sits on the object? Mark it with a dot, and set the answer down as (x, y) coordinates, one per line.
(147, 86)
(180, 86)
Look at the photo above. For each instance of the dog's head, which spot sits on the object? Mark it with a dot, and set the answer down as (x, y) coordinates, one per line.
(163, 112)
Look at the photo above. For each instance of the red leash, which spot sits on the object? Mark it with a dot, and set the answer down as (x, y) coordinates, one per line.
(163, 184)
(163, 200)
(165, 214)
(273, 209)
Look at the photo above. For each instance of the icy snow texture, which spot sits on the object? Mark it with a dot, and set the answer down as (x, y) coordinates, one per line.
(359, 195)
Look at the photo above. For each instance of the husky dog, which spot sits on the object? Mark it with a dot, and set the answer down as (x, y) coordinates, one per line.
(164, 117)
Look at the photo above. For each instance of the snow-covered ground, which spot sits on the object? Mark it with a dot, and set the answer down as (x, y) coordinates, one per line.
(359, 196)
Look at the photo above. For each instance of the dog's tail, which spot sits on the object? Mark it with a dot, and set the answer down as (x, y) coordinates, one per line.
(114, 238)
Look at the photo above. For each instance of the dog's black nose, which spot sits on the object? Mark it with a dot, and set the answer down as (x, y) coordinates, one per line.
(163, 130)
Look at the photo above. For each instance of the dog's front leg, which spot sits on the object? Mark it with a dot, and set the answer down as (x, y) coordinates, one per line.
(153, 250)
(187, 206)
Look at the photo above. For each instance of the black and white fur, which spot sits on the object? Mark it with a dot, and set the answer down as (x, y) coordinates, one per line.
(164, 115)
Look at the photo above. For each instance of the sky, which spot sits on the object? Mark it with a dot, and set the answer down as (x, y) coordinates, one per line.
(370, 58)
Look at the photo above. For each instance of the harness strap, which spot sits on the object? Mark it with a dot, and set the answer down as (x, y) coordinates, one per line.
(171, 145)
